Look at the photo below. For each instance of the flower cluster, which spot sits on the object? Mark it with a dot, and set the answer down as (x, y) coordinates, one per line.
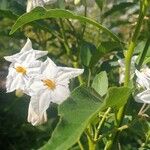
(45, 82)
(142, 79)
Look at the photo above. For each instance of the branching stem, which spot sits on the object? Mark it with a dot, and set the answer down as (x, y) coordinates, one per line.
(129, 54)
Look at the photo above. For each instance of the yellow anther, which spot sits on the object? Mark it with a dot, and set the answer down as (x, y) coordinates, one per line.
(21, 70)
(50, 84)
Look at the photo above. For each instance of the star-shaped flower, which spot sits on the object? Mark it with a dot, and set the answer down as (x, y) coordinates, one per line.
(19, 74)
(24, 66)
(51, 86)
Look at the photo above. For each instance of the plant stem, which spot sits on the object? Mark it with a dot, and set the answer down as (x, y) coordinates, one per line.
(85, 14)
(92, 145)
(101, 123)
(141, 110)
(91, 142)
(89, 78)
(121, 112)
(80, 145)
(66, 45)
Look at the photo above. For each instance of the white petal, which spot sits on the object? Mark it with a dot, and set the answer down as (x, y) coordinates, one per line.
(35, 119)
(142, 80)
(39, 54)
(35, 86)
(68, 73)
(11, 58)
(143, 97)
(41, 101)
(34, 68)
(60, 94)
(26, 54)
(49, 69)
(27, 57)
(27, 46)
(12, 82)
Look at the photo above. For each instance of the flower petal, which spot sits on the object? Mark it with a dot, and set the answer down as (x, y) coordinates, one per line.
(12, 83)
(60, 94)
(142, 80)
(35, 119)
(143, 97)
(68, 73)
(49, 69)
(35, 86)
(41, 102)
(27, 46)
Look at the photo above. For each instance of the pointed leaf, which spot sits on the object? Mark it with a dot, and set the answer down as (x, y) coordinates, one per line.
(78, 110)
(42, 13)
(100, 83)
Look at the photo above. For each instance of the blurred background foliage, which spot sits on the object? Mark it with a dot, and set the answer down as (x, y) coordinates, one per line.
(70, 43)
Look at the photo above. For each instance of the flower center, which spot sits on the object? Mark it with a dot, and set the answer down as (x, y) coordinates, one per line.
(21, 70)
(50, 84)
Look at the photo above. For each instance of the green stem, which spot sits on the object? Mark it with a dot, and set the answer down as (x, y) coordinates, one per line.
(85, 14)
(121, 112)
(66, 44)
(89, 78)
(92, 145)
(91, 142)
(101, 123)
(80, 145)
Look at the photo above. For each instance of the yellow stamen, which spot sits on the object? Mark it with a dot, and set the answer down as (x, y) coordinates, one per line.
(50, 84)
(21, 70)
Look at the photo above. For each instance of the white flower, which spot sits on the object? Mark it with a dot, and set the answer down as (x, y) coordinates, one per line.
(19, 74)
(24, 53)
(24, 65)
(122, 68)
(143, 77)
(50, 86)
(143, 97)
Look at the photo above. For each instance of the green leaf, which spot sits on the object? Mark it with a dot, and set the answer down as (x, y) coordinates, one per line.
(100, 83)
(78, 110)
(116, 97)
(90, 55)
(108, 46)
(86, 51)
(41, 13)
